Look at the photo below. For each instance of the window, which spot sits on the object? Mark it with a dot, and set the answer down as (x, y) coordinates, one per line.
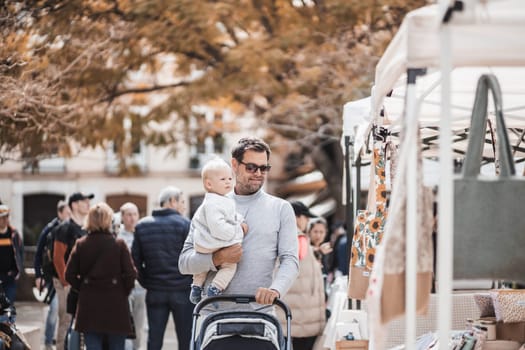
(206, 127)
(127, 155)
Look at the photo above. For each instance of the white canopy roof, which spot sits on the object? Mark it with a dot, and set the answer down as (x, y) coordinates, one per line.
(489, 34)
(486, 38)
(357, 116)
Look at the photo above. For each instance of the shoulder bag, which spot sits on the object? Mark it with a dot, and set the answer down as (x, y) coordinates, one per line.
(489, 214)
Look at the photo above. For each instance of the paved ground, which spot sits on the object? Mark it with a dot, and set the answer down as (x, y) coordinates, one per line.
(32, 314)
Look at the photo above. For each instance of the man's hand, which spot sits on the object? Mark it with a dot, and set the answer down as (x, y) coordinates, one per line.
(231, 254)
(244, 228)
(266, 296)
(38, 283)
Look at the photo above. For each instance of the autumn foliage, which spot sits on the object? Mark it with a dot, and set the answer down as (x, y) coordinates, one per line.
(72, 70)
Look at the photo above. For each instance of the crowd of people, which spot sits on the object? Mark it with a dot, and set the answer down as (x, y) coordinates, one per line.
(106, 275)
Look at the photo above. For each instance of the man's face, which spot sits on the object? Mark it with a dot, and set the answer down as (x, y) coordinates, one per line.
(64, 214)
(179, 205)
(302, 222)
(129, 218)
(4, 221)
(247, 182)
(81, 207)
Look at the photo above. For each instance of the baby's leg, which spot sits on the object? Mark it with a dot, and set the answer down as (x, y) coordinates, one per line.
(196, 287)
(224, 276)
(199, 278)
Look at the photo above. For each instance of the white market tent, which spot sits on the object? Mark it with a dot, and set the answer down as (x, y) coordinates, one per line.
(485, 36)
(358, 117)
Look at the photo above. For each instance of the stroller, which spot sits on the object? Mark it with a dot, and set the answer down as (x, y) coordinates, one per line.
(239, 329)
(11, 338)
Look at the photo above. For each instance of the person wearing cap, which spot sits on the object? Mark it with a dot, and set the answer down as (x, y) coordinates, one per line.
(155, 250)
(306, 297)
(271, 235)
(302, 215)
(42, 279)
(66, 234)
(11, 254)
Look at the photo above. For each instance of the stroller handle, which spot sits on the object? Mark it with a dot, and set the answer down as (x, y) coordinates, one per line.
(238, 299)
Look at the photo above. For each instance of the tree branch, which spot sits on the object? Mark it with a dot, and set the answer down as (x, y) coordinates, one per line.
(116, 94)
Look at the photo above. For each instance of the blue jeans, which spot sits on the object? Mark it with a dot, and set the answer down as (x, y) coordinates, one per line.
(72, 338)
(159, 305)
(94, 341)
(9, 284)
(51, 321)
(137, 300)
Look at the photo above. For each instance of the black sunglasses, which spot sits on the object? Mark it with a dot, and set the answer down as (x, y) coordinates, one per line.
(252, 168)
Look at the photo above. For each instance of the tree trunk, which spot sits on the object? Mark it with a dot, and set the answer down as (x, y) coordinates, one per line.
(328, 158)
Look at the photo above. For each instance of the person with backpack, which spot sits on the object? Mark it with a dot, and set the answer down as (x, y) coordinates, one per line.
(65, 236)
(45, 271)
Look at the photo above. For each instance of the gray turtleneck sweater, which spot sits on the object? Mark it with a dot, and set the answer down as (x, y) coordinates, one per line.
(271, 237)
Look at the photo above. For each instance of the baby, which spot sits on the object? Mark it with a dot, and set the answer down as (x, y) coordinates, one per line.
(215, 225)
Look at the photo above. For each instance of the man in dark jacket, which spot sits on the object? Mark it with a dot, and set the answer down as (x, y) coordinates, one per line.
(44, 272)
(156, 248)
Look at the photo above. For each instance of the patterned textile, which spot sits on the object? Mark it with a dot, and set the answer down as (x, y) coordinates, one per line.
(509, 305)
(370, 223)
(386, 292)
(368, 229)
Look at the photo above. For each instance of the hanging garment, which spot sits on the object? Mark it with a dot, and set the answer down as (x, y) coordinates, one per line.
(369, 224)
(386, 293)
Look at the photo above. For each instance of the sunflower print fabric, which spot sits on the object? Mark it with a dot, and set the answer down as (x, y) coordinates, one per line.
(370, 223)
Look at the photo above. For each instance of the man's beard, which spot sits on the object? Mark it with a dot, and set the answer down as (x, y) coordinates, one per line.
(247, 188)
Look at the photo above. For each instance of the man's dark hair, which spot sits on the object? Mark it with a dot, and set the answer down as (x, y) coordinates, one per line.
(250, 144)
(61, 205)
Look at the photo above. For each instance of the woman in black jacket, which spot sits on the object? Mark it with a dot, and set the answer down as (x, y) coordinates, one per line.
(100, 268)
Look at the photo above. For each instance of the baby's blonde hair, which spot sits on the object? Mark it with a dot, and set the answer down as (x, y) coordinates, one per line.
(212, 166)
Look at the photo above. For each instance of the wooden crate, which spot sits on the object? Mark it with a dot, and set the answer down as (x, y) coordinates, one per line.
(351, 345)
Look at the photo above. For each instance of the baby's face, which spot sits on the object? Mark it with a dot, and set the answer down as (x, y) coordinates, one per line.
(220, 181)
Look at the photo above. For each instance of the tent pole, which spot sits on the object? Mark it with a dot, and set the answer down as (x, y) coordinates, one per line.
(410, 127)
(349, 143)
(357, 199)
(445, 240)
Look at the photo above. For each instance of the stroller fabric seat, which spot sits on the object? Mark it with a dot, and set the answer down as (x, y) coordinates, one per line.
(232, 329)
(242, 327)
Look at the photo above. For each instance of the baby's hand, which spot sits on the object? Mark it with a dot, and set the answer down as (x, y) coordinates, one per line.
(244, 227)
